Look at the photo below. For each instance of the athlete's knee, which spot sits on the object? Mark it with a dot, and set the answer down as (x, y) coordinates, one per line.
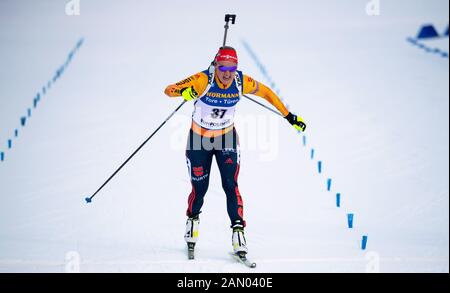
(200, 187)
(229, 185)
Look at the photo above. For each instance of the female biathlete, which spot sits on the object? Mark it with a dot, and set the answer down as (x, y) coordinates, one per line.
(216, 92)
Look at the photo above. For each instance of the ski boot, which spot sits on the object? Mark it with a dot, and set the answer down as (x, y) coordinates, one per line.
(191, 235)
(238, 239)
(240, 246)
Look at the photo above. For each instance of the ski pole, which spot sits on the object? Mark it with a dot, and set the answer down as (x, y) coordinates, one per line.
(262, 105)
(89, 199)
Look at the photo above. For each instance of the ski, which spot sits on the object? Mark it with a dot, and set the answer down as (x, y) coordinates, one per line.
(191, 250)
(242, 258)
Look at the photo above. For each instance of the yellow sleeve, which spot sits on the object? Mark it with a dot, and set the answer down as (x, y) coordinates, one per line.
(254, 87)
(198, 81)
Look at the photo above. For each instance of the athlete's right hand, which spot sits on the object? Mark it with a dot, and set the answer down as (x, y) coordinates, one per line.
(296, 121)
(189, 93)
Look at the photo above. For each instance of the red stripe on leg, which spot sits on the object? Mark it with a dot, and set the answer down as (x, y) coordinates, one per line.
(238, 196)
(241, 213)
(236, 174)
(191, 201)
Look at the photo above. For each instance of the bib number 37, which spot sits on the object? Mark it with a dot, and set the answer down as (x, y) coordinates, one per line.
(218, 113)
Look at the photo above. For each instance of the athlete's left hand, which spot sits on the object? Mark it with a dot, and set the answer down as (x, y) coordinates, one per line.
(296, 121)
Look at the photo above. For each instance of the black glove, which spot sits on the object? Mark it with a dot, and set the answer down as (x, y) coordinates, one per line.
(296, 121)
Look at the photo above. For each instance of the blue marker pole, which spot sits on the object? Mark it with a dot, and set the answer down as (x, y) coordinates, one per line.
(2, 156)
(9, 143)
(338, 199)
(350, 220)
(364, 242)
(23, 121)
(29, 112)
(329, 184)
(319, 166)
(312, 154)
(304, 140)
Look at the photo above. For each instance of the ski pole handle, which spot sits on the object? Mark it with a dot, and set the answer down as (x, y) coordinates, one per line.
(231, 17)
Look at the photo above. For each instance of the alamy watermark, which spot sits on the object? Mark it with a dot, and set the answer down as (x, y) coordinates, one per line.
(373, 262)
(73, 8)
(72, 261)
(373, 8)
(256, 133)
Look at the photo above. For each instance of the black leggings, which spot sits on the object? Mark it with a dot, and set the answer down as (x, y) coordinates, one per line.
(199, 155)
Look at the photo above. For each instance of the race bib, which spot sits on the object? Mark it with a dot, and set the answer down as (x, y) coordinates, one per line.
(213, 117)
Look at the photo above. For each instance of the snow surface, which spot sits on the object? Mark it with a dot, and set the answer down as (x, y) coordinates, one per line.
(377, 110)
